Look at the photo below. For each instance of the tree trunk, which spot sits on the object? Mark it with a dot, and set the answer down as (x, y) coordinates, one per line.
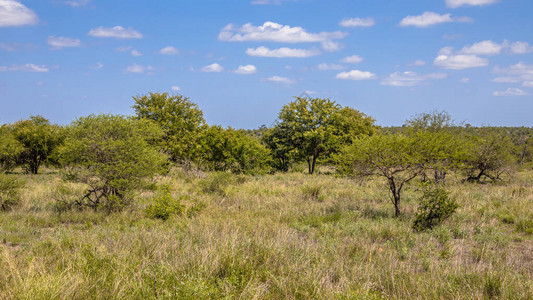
(440, 176)
(395, 196)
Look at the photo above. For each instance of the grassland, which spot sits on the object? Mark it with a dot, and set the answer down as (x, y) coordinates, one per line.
(286, 236)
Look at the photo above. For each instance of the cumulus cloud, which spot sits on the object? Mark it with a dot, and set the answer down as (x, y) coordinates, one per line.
(519, 72)
(418, 63)
(487, 47)
(213, 68)
(430, 18)
(76, 3)
(457, 3)
(326, 67)
(175, 88)
(97, 66)
(356, 75)
(246, 70)
(357, 22)
(511, 92)
(274, 32)
(169, 50)
(447, 59)
(282, 52)
(62, 42)
(465, 80)
(331, 46)
(25, 68)
(410, 78)
(520, 48)
(135, 68)
(354, 59)
(280, 79)
(118, 32)
(14, 13)
(135, 53)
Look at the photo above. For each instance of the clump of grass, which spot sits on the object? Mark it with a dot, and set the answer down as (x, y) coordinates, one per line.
(217, 183)
(162, 205)
(313, 192)
(10, 188)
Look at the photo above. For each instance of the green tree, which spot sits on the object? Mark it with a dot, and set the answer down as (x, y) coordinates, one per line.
(10, 148)
(181, 120)
(313, 128)
(233, 150)
(39, 140)
(394, 157)
(112, 154)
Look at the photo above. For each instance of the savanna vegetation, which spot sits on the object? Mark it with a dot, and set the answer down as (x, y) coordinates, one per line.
(324, 204)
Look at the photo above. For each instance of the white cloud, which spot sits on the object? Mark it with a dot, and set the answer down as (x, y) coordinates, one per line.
(279, 79)
(520, 48)
(274, 32)
(76, 3)
(118, 32)
(447, 59)
(483, 48)
(410, 78)
(357, 22)
(465, 80)
(169, 50)
(511, 92)
(527, 83)
(354, 59)
(14, 13)
(431, 18)
(25, 68)
(246, 70)
(97, 66)
(62, 42)
(457, 3)
(331, 46)
(175, 88)
(326, 67)
(135, 53)
(213, 68)
(135, 68)
(356, 75)
(281, 52)
(519, 72)
(418, 63)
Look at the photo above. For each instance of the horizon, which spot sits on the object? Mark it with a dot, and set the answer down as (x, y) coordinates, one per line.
(241, 61)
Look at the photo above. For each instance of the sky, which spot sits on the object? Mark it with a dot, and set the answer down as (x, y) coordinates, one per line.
(242, 60)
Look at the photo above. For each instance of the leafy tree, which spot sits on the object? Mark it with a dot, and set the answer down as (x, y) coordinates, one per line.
(312, 128)
(10, 148)
(438, 142)
(39, 140)
(112, 154)
(282, 152)
(181, 120)
(394, 157)
(489, 155)
(233, 150)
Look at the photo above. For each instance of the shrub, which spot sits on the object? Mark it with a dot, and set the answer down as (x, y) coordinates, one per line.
(9, 191)
(435, 206)
(162, 205)
(217, 183)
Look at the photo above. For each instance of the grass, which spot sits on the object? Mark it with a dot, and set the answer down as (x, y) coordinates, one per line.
(283, 236)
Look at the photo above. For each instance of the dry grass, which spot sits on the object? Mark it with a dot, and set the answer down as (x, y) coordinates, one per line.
(288, 236)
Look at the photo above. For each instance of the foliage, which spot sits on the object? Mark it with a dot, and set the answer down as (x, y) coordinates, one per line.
(435, 206)
(113, 155)
(181, 120)
(310, 128)
(9, 191)
(234, 151)
(162, 205)
(217, 183)
(39, 140)
(10, 149)
(395, 157)
(489, 155)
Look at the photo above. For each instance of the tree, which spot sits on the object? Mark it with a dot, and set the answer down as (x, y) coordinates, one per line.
(181, 120)
(112, 155)
(39, 140)
(394, 157)
(233, 150)
(10, 148)
(439, 145)
(315, 128)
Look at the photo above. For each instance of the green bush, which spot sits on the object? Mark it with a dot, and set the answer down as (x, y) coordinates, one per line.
(435, 206)
(217, 183)
(162, 205)
(9, 191)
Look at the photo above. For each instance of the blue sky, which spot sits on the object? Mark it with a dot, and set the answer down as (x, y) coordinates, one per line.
(241, 61)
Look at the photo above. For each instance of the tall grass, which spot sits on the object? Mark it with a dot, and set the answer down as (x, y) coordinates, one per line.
(283, 236)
